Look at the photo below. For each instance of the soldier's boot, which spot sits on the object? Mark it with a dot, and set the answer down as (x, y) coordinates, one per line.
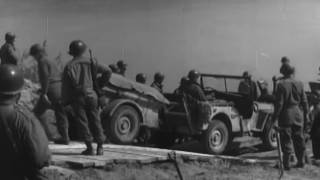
(64, 139)
(286, 162)
(89, 150)
(300, 158)
(100, 149)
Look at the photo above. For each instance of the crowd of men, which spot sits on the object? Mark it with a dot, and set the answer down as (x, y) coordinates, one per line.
(25, 144)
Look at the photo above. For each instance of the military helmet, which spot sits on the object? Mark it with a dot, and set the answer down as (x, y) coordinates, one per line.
(141, 78)
(287, 70)
(9, 36)
(193, 75)
(35, 49)
(159, 77)
(11, 80)
(77, 47)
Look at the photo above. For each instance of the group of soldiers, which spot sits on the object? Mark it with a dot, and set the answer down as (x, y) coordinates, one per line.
(292, 116)
(25, 144)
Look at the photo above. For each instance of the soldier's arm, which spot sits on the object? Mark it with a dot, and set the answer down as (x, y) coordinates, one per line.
(304, 101)
(14, 55)
(44, 77)
(202, 96)
(279, 102)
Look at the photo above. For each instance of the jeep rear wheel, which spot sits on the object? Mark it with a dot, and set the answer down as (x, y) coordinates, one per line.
(216, 139)
(124, 125)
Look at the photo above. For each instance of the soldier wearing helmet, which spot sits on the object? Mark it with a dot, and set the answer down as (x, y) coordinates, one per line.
(141, 78)
(193, 88)
(122, 67)
(24, 145)
(8, 51)
(248, 86)
(157, 82)
(78, 90)
(50, 97)
(291, 111)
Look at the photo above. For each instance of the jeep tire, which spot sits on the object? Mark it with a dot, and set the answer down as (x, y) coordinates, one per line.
(123, 126)
(217, 138)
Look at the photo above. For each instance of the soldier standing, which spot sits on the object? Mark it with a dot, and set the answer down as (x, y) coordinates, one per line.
(24, 145)
(157, 82)
(290, 96)
(79, 91)
(50, 81)
(8, 51)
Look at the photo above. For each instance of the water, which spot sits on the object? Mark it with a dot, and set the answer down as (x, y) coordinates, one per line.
(173, 36)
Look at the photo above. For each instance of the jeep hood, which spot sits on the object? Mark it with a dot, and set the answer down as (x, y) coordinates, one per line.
(125, 84)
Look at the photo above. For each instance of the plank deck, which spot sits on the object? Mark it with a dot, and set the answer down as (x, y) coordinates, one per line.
(71, 155)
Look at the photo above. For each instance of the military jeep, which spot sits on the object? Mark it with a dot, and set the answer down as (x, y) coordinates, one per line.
(233, 115)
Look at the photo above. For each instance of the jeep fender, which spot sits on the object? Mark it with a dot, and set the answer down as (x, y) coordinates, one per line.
(109, 109)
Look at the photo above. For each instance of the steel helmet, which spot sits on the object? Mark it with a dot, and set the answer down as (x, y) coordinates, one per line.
(77, 47)
(141, 78)
(11, 80)
(158, 77)
(9, 36)
(35, 49)
(193, 75)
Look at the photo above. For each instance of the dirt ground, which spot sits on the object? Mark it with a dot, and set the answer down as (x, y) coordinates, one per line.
(195, 170)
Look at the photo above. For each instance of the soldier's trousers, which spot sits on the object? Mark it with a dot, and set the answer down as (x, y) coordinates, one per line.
(292, 134)
(54, 95)
(87, 115)
(316, 148)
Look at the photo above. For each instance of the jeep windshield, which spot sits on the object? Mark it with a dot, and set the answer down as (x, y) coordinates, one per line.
(221, 83)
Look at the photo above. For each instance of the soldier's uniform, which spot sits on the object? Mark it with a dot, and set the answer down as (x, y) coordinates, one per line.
(8, 54)
(290, 97)
(50, 81)
(24, 144)
(194, 90)
(249, 88)
(315, 132)
(78, 90)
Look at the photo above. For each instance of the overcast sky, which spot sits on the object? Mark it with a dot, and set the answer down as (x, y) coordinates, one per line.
(173, 36)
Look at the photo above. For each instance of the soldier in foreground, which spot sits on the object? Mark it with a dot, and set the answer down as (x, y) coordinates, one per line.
(290, 96)
(8, 51)
(50, 81)
(78, 89)
(157, 82)
(141, 78)
(248, 86)
(122, 67)
(24, 145)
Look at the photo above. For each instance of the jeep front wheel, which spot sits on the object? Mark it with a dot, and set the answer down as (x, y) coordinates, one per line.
(124, 125)
(216, 139)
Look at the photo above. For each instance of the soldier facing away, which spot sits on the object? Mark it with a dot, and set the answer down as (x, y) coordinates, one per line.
(78, 89)
(8, 51)
(290, 96)
(24, 145)
(157, 82)
(50, 81)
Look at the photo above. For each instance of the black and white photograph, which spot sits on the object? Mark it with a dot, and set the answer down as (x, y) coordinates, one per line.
(159, 89)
